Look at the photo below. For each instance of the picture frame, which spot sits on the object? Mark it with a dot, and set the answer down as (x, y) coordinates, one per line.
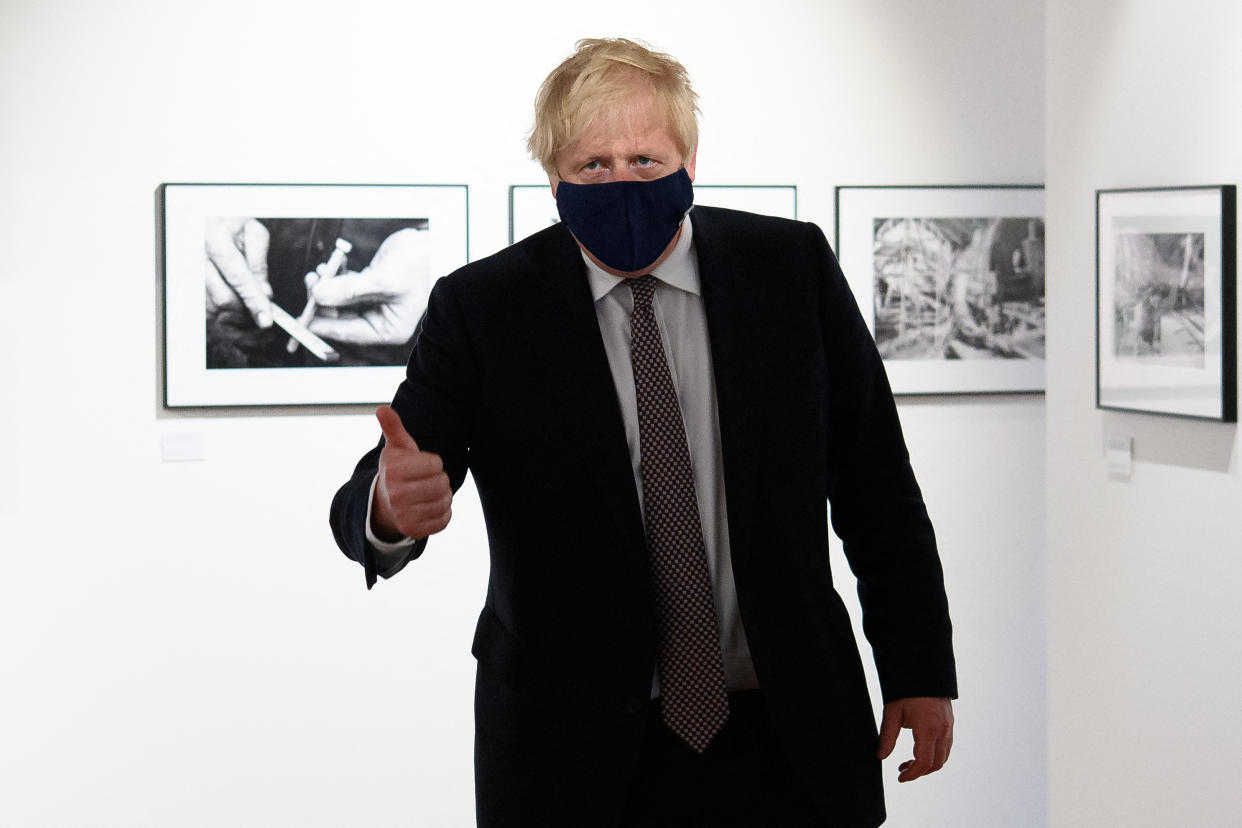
(223, 246)
(950, 280)
(1166, 301)
(532, 207)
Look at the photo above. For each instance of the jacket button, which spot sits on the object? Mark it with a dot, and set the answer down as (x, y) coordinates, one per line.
(634, 705)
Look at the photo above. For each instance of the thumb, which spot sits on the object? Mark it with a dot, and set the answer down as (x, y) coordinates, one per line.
(365, 285)
(890, 728)
(257, 240)
(368, 329)
(394, 430)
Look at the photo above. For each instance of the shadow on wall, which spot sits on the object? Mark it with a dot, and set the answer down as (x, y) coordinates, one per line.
(1173, 441)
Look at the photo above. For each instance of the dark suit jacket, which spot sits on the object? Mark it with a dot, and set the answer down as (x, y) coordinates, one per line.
(509, 379)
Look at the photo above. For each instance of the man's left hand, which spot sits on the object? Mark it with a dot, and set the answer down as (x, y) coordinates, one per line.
(932, 722)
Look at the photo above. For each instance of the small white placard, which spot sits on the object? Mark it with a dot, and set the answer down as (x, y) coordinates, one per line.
(1120, 456)
(183, 446)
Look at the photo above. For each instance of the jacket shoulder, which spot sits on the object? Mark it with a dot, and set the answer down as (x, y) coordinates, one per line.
(551, 247)
(754, 241)
(720, 223)
(740, 219)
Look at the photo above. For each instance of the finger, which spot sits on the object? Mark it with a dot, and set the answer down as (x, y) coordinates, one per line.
(425, 525)
(924, 756)
(354, 329)
(416, 509)
(944, 748)
(427, 485)
(419, 496)
(232, 266)
(352, 288)
(890, 728)
(418, 518)
(394, 430)
(255, 241)
(219, 294)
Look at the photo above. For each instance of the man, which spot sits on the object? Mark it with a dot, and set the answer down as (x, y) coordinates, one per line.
(655, 403)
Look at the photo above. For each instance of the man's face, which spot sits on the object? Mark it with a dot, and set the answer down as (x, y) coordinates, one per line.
(633, 145)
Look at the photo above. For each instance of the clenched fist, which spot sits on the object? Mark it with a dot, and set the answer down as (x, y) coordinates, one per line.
(413, 498)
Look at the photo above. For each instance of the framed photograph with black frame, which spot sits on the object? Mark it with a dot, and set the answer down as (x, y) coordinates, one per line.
(950, 280)
(532, 207)
(1166, 323)
(298, 294)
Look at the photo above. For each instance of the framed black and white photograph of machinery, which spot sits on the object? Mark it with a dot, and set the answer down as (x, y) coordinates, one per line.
(951, 283)
(298, 294)
(1166, 322)
(532, 207)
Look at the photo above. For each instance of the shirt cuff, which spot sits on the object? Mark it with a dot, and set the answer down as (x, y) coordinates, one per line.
(390, 553)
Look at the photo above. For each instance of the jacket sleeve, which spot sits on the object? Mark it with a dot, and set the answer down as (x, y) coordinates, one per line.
(876, 505)
(435, 402)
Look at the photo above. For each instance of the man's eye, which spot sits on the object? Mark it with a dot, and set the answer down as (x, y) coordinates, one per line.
(591, 166)
(644, 161)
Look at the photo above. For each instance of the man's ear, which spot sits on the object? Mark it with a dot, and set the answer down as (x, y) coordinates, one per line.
(694, 157)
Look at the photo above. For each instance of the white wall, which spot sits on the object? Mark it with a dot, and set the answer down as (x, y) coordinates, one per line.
(181, 643)
(1145, 656)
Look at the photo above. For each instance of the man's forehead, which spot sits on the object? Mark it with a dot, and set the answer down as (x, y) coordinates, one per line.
(634, 118)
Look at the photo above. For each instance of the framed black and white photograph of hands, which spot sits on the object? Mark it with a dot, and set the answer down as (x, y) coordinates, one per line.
(532, 207)
(1166, 324)
(298, 294)
(950, 281)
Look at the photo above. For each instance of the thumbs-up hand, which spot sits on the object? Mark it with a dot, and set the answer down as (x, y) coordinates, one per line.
(413, 498)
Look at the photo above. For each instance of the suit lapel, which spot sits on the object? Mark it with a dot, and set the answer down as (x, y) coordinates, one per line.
(575, 367)
(729, 321)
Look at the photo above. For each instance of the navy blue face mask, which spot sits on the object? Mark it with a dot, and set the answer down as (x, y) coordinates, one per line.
(626, 224)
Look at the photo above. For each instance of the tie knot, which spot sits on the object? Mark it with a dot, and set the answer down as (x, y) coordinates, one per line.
(643, 289)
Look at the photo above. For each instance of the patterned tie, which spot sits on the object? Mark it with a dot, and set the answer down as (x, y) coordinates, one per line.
(695, 704)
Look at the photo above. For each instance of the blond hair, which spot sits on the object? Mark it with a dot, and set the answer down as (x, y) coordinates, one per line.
(593, 82)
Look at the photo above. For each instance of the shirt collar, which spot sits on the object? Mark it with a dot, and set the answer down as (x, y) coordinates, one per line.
(679, 270)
